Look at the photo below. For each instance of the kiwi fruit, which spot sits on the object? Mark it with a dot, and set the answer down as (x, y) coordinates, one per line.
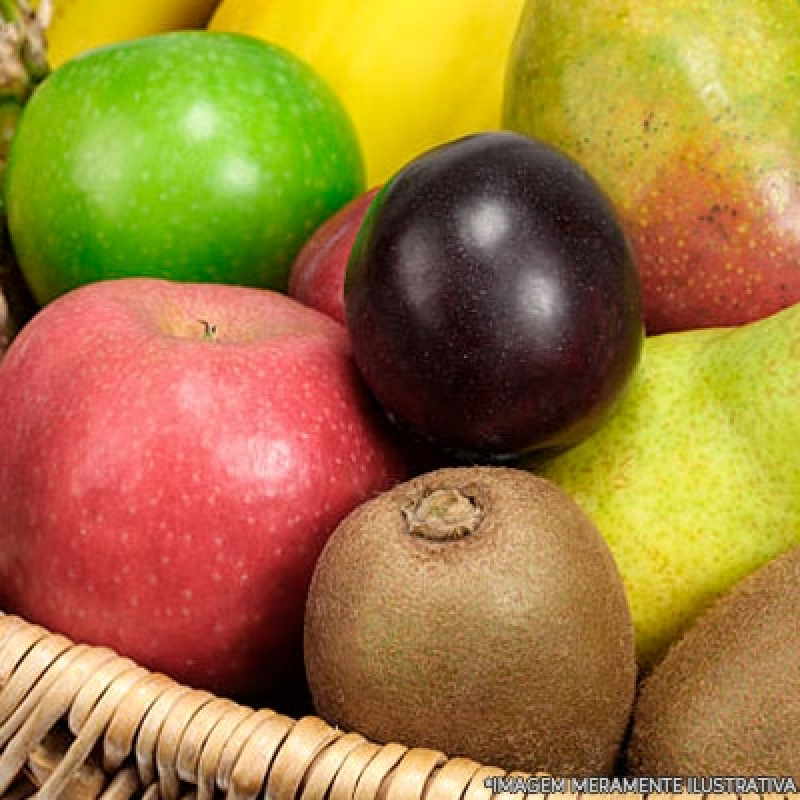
(725, 700)
(474, 610)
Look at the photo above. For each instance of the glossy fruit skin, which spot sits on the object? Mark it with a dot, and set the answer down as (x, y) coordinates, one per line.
(492, 298)
(694, 132)
(160, 166)
(318, 273)
(710, 418)
(411, 74)
(81, 25)
(174, 457)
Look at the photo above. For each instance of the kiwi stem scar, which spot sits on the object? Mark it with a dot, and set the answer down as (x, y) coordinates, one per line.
(442, 515)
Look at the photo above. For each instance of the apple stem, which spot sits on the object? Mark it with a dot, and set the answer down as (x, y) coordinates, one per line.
(443, 515)
(209, 330)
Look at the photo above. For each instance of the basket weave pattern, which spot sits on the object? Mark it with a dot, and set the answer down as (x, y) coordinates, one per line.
(82, 722)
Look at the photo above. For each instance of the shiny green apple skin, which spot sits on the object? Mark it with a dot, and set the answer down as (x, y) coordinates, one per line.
(198, 156)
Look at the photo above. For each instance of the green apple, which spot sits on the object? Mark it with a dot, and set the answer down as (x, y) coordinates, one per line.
(198, 156)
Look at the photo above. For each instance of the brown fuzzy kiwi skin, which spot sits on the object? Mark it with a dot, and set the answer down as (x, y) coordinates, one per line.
(725, 700)
(512, 645)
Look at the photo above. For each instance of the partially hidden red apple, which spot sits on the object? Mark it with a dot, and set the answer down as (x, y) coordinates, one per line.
(174, 457)
(317, 273)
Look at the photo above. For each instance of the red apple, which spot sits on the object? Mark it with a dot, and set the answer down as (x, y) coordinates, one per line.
(317, 274)
(174, 457)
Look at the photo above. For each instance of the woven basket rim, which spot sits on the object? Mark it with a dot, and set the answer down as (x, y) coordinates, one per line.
(83, 722)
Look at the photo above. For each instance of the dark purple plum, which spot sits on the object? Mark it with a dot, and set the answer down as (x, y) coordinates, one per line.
(493, 299)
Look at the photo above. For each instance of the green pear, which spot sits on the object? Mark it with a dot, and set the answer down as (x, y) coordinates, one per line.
(695, 480)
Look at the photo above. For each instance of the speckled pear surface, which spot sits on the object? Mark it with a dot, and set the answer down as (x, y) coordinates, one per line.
(687, 112)
(695, 481)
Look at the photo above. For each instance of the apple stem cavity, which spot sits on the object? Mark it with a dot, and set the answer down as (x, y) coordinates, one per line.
(443, 515)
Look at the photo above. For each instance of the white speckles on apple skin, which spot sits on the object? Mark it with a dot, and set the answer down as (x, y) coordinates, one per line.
(225, 169)
(190, 483)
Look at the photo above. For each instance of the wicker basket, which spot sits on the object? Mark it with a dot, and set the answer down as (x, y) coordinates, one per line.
(82, 722)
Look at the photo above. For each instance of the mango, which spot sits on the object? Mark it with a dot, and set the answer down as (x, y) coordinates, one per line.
(411, 74)
(688, 113)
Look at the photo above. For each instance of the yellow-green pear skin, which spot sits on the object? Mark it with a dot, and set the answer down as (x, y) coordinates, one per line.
(687, 113)
(695, 480)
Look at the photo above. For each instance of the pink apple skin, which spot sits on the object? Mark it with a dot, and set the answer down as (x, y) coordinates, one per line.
(317, 274)
(174, 457)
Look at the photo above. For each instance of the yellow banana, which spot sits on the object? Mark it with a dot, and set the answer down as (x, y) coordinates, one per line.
(411, 73)
(80, 25)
